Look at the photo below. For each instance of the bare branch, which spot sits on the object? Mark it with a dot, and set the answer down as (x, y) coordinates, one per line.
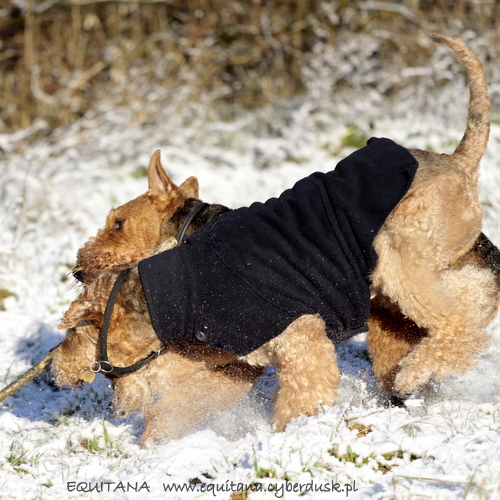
(28, 376)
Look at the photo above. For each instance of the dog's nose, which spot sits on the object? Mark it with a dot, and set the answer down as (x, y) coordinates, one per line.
(78, 275)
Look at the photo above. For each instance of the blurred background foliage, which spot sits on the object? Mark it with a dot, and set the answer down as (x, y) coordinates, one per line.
(59, 57)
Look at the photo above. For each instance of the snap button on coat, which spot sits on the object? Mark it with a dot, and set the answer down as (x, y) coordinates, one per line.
(201, 336)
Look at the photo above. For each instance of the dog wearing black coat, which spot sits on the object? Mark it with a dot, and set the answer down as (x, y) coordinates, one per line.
(465, 266)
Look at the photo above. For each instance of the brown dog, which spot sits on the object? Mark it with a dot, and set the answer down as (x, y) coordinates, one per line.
(424, 231)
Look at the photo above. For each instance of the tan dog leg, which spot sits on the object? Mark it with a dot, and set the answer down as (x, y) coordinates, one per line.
(307, 369)
(456, 339)
(390, 338)
(180, 408)
(449, 304)
(475, 277)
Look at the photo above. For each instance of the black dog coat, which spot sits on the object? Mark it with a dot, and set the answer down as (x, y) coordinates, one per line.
(242, 278)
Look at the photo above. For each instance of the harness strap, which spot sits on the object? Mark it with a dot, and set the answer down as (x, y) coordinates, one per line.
(189, 220)
(103, 365)
(103, 351)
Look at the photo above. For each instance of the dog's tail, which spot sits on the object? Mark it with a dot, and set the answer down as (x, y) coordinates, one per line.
(473, 144)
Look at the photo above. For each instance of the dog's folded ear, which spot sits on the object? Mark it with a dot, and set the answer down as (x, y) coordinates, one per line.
(81, 310)
(190, 188)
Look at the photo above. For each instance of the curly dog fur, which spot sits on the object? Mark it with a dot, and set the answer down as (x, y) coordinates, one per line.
(436, 286)
(421, 244)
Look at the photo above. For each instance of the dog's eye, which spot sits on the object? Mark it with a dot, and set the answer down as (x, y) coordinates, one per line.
(118, 225)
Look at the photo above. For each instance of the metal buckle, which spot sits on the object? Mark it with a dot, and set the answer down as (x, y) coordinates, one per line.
(97, 366)
(95, 370)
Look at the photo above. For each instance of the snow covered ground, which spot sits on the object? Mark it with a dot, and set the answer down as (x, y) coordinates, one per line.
(55, 443)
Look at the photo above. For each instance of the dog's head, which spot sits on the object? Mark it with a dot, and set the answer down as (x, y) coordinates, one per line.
(134, 229)
(73, 356)
(79, 349)
(130, 335)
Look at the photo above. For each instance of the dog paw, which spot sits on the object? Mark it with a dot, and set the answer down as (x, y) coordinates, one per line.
(410, 379)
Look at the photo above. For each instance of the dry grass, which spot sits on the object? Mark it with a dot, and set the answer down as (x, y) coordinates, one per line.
(58, 57)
